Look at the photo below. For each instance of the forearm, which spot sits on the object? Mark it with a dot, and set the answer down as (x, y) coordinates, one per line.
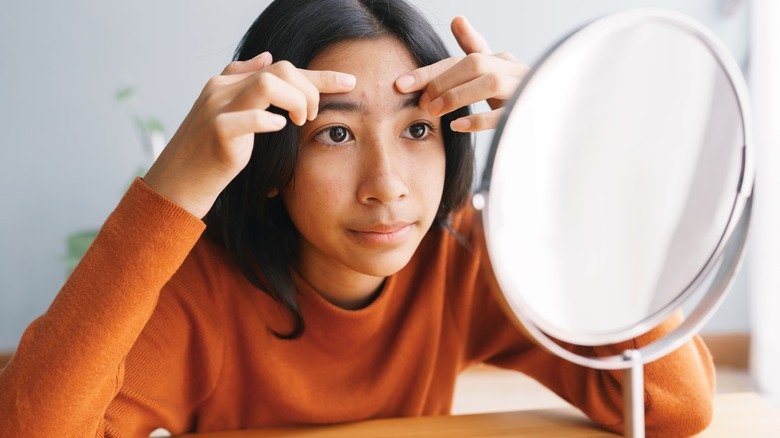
(678, 387)
(68, 364)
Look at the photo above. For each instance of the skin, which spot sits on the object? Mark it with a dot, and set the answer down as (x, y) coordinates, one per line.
(363, 206)
(462, 80)
(380, 179)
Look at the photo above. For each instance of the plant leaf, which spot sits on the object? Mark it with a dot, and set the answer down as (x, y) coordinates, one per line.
(153, 124)
(124, 94)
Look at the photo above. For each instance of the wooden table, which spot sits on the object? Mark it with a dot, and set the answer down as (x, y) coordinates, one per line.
(736, 415)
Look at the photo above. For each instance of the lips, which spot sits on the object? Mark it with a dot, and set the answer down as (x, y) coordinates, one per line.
(382, 233)
(382, 228)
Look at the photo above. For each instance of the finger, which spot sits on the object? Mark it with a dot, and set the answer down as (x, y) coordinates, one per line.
(506, 56)
(257, 63)
(471, 67)
(468, 38)
(419, 78)
(477, 122)
(235, 124)
(286, 71)
(326, 81)
(488, 86)
(330, 81)
(263, 89)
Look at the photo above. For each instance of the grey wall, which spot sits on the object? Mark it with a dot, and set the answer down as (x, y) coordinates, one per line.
(69, 150)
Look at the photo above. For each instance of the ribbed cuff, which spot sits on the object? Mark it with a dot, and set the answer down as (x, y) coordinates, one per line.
(146, 238)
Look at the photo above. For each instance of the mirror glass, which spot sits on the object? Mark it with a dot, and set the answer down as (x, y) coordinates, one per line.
(613, 178)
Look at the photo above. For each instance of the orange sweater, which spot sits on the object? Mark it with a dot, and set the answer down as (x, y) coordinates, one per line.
(156, 329)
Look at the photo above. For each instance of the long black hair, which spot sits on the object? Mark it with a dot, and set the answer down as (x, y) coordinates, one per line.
(254, 228)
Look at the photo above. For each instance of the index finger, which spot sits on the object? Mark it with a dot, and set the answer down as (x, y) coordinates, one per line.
(419, 78)
(328, 81)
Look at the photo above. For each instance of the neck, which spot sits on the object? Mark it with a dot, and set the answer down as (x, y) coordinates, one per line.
(340, 285)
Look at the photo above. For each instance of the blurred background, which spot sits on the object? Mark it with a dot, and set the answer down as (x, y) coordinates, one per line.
(89, 88)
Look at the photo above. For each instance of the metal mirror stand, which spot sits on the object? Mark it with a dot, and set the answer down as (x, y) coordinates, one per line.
(707, 290)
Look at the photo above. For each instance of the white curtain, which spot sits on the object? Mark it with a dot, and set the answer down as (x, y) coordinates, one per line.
(764, 245)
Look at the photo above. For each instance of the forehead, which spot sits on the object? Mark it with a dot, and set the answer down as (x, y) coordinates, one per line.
(376, 63)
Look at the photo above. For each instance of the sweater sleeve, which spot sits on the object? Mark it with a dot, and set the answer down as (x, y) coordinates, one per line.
(678, 387)
(70, 361)
(174, 364)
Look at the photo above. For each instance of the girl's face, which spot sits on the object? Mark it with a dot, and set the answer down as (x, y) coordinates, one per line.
(370, 169)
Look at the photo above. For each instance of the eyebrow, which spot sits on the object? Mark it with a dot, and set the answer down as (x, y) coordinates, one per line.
(411, 101)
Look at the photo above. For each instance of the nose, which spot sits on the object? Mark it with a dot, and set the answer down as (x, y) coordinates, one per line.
(383, 181)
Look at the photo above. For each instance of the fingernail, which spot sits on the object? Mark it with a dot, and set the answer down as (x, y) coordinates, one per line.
(405, 82)
(435, 106)
(347, 80)
(460, 124)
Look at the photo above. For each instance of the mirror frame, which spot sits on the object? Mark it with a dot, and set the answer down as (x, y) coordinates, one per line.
(723, 262)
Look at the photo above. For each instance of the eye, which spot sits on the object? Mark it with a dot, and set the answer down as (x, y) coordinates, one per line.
(334, 135)
(418, 131)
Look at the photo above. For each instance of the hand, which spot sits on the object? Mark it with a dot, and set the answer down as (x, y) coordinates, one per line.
(215, 140)
(459, 81)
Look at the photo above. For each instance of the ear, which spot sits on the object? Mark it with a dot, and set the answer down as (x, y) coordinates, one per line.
(273, 193)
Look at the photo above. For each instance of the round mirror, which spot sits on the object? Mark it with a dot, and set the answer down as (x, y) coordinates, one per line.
(617, 181)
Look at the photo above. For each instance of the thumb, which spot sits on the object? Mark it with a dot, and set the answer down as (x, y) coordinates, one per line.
(468, 38)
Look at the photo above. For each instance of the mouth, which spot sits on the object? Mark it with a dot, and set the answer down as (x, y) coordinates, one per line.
(383, 233)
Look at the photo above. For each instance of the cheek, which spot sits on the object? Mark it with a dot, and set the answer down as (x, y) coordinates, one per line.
(318, 188)
(429, 171)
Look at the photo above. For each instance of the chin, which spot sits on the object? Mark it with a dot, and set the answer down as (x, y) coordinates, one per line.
(383, 265)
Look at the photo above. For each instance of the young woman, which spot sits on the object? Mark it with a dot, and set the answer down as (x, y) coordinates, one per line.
(340, 277)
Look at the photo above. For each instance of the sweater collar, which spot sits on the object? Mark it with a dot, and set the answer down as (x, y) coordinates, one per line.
(329, 323)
